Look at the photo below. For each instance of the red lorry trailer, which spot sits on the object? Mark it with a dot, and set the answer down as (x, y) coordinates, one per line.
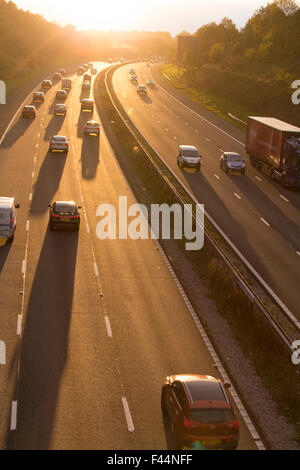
(274, 146)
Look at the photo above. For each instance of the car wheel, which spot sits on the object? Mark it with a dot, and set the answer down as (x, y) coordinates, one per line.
(198, 167)
(226, 169)
(243, 172)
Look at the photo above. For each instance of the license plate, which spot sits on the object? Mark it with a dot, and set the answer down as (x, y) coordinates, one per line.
(65, 220)
(211, 443)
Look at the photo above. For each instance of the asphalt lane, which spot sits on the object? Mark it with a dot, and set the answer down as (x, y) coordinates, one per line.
(260, 218)
(91, 366)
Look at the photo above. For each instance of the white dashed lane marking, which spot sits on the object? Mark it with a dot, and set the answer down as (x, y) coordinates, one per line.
(108, 327)
(265, 222)
(284, 198)
(127, 415)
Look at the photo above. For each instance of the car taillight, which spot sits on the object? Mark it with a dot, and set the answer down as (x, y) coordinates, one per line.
(75, 216)
(235, 423)
(187, 423)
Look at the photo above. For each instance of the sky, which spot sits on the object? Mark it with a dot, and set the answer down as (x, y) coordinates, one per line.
(148, 15)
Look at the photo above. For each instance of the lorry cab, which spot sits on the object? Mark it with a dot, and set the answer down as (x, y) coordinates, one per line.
(8, 218)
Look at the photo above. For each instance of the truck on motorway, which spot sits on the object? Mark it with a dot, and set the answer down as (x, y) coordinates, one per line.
(274, 147)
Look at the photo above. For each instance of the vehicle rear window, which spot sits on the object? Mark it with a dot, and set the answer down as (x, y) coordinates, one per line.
(211, 415)
(59, 139)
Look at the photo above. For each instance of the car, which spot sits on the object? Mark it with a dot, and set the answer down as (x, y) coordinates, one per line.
(232, 161)
(8, 218)
(86, 86)
(29, 111)
(142, 90)
(61, 95)
(46, 84)
(66, 84)
(62, 71)
(198, 412)
(150, 83)
(85, 67)
(188, 156)
(64, 214)
(38, 97)
(87, 105)
(132, 71)
(56, 76)
(87, 77)
(90, 65)
(80, 71)
(60, 109)
(58, 143)
(94, 71)
(92, 128)
(133, 78)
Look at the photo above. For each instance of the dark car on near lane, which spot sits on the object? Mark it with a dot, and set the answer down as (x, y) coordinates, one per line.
(29, 111)
(87, 105)
(198, 412)
(64, 214)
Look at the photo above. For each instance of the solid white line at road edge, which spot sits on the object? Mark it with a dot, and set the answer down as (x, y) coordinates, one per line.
(2, 353)
(108, 327)
(127, 415)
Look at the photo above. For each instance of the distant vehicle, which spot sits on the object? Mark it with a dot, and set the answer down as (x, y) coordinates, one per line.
(198, 411)
(87, 77)
(90, 64)
(188, 156)
(62, 71)
(132, 71)
(92, 128)
(94, 71)
(80, 70)
(8, 218)
(29, 111)
(133, 79)
(274, 146)
(150, 83)
(61, 95)
(142, 90)
(46, 84)
(58, 143)
(66, 84)
(64, 214)
(57, 76)
(86, 86)
(38, 97)
(87, 105)
(85, 67)
(60, 109)
(233, 162)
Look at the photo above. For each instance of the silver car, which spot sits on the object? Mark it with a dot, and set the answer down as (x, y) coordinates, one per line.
(92, 127)
(232, 161)
(58, 143)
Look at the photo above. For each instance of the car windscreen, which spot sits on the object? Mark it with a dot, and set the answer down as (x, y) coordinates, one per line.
(191, 153)
(4, 216)
(208, 415)
(234, 158)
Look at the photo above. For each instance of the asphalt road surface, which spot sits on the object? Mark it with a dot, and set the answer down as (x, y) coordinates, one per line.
(84, 371)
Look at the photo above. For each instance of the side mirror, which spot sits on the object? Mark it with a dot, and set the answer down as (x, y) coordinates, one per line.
(78, 207)
(49, 205)
(17, 206)
(226, 385)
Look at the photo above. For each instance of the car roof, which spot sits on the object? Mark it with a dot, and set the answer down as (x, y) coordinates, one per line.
(29, 106)
(61, 91)
(60, 137)
(87, 100)
(188, 147)
(203, 391)
(233, 154)
(65, 203)
(6, 201)
(91, 122)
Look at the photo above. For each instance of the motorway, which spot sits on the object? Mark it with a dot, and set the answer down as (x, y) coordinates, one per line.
(261, 218)
(91, 327)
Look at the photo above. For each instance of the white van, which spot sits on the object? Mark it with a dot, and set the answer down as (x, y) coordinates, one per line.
(8, 217)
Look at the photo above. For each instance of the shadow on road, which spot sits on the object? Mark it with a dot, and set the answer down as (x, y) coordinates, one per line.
(17, 131)
(48, 181)
(90, 156)
(44, 347)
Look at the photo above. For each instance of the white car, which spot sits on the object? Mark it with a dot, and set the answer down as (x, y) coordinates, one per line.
(8, 218)
(58, 143)
(188, 156)
(92, 127)
(142, 90)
